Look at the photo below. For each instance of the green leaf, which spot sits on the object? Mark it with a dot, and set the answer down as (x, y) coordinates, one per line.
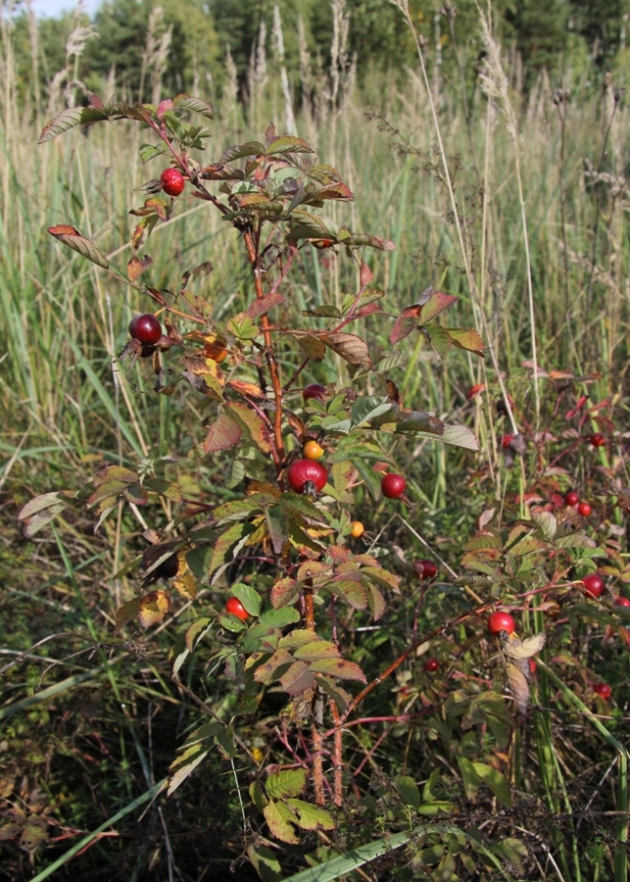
(311, 817)
(369, 476)
(225, 543)
(316, 650)
(249, 597)
(470, 778)
(65, 120)
(39, 511)
(441, 341)
(365, 409)
(496, 781)
(185, 765)
(197, 630)
(338, 668)
(287, 783)
(460, 436)
(408, 790)
(278, 618)
(251, 148)
(186, 102)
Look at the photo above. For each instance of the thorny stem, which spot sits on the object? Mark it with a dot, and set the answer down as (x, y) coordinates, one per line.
(337, 755)
(252, 254)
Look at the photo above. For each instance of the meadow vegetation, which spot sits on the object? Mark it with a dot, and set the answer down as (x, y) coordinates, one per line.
(506, 188)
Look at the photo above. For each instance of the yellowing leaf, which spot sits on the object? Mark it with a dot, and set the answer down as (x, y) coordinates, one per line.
(153, 608)
(278, 825)
(73, 239)
(350, 347)
(524, 648)
(519, 683)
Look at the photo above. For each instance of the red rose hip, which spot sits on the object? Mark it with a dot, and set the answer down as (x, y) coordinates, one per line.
(506, 441)
(571, 498)
(236, 608)
(314, 390)
(425, 569)
(303, 470)
(146, 329)
(593, 585)
(603, 690)
(584, 508)
(622, 601)
(597, 439)
(501, 621)
(431, 665)
(393, 486)
(173, 181)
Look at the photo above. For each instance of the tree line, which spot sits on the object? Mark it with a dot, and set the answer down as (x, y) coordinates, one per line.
(203, 43)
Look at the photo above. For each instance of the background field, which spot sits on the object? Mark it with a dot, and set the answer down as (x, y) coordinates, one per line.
(539, 179)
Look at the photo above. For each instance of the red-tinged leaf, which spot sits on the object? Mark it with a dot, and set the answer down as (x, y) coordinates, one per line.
(239, 151)
(261, 307)
(224, 433)
(298, 678)
(350, 347)
(219, 171)
(274, 667)
(366, 275)
(331, 191)
(351, 591)
(436, 304)
(245, 388)
(127, 612)
(339, 696)
(468, 339)
(284, 592)
(253, 424)
(404, 324)
(338, 668)
(187, 102)
(360, 240)
(368, 309)
(154, 294)
(137, 266)
(324, 174)
(153, 608)
(67, 235)
(65, 120)
(288, 144)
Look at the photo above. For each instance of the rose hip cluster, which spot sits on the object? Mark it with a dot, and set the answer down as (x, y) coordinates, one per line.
(572, 499)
